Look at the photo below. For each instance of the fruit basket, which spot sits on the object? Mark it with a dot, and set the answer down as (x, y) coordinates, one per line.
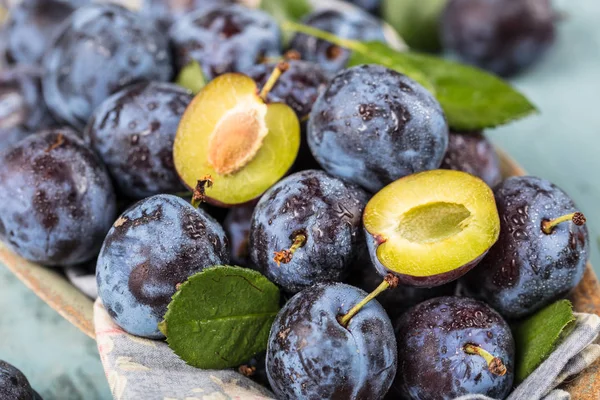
(52, 287)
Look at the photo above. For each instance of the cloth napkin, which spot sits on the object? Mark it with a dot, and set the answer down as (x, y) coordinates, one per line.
(139, 368)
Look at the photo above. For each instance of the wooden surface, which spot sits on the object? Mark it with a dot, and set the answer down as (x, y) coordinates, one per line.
(59, 294)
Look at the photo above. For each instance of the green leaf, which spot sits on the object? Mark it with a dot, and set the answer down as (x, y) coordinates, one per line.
(417, 21)
(221, 317)
(191, 77)
(537, 336)
(472, 99)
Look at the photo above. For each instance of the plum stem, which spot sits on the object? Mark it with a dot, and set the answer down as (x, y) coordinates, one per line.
(280, 68)
(549, 225)
(390, 281)
(285, 256)
(199, 194)
(495, 365)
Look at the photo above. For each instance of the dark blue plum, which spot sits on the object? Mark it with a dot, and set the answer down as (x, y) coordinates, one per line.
(56, 199)
(310, 355)
(501, 36)
(237, 226)
(348, 23)
(31, 27)
(101, 49)
(164, 12)
(528, 269)
(22, 107)
(372, 126)
(324, 211)
(298, 87)
(432, 361)
(154, 246)
(14, 385)
(471, 152)
(226, 39)
(133, 132)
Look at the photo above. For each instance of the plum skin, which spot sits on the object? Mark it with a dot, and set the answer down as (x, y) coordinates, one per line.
(327, 210)
(14, 384)
(23, 108)
(125, 50)
(155, 245)
(348, 23)
(432, 363)
(310, 355)
(372, 126)
(133, 132)
(31, 26)
(231, 38)
(471, 152)
(237, 227)
(528, 269)
(298, 87)
(504, 37)
(56, 199)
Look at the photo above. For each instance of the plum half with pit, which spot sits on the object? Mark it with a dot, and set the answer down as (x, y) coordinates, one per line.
(56, 199)
(307, 229)
(312, 355)
(151, 248)
(232, 138)
(471, 152)
(432, 227)
(453, 346)
(133, 132)
(542, 251)
(372, 126)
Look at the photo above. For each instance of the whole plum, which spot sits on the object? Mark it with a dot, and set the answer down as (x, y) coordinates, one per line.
(154, 246)
(311, 355)
(307, 229)
(56, 199)
(133, 132)
(101, 49)
(225, 39)
(372, 126)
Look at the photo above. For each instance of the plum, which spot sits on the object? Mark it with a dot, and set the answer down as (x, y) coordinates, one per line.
(133, 132)
(372, 126)
(154, 246)
(101, 49)
(541, 253)
(14, 385)
(311, 355)
(306, 230)
(56, 199)
(231, 38)
(453, 346)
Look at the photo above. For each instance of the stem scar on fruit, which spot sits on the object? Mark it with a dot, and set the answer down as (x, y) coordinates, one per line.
(495, 365)
(285, 256)
(231, 132)
(390, 281)
(199, 193)
(577, 218)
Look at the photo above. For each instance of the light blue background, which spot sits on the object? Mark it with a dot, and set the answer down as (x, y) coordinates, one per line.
(561, 144)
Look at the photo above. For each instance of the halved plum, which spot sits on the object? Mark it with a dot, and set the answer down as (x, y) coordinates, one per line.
(432, 227)
(229, 133)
